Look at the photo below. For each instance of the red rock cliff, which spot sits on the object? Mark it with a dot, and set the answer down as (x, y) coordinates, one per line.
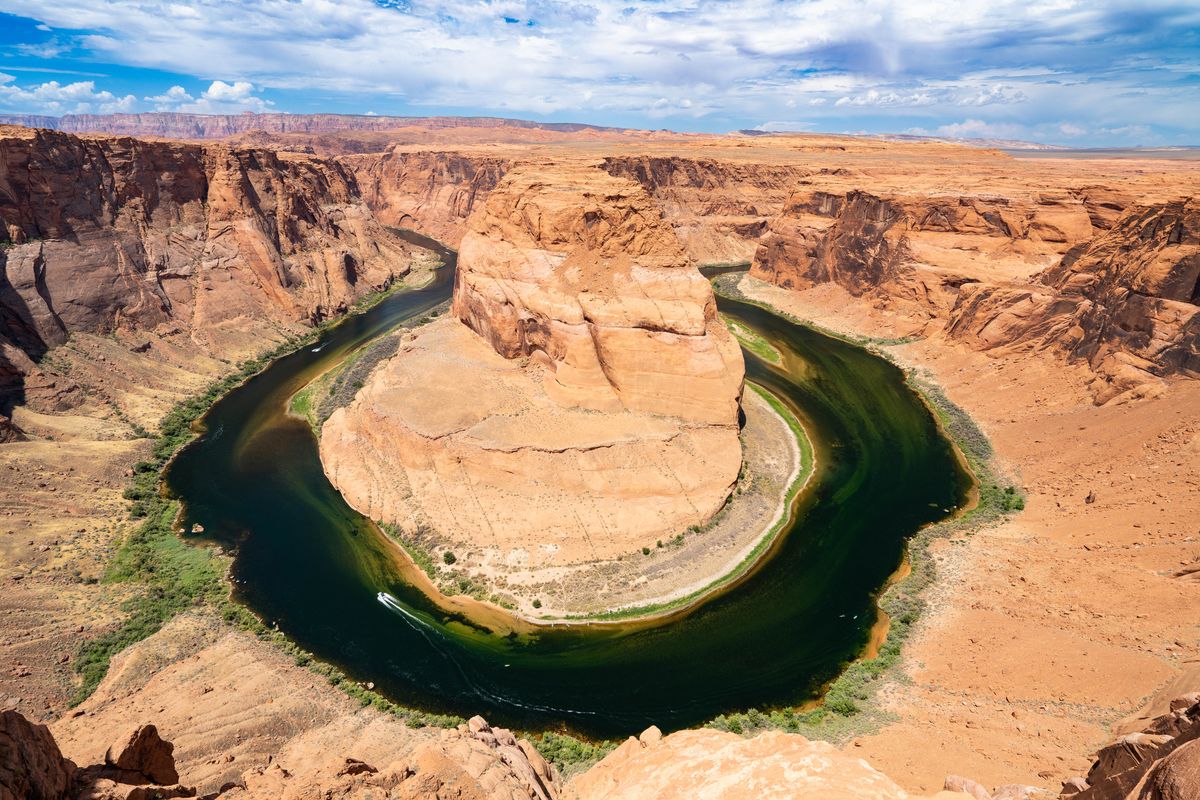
(102, 233)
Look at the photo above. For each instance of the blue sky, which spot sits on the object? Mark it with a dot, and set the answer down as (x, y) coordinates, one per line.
(1060, 71)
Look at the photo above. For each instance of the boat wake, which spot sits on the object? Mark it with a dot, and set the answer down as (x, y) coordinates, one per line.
(429, 632)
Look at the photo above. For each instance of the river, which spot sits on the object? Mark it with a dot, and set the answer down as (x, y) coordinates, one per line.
(306, 561)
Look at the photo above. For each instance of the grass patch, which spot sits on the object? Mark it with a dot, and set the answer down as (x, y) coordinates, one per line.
(753, 342)
(569, 754)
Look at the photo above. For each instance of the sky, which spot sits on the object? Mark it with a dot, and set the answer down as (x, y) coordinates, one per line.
(1070, 72)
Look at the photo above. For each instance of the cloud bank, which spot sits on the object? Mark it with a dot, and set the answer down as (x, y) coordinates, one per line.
(1052, 69)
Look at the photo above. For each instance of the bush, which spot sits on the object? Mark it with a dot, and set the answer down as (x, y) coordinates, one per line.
(537, 603)
(448, 557)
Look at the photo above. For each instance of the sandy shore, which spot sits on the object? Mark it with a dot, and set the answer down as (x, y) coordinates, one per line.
(1046, 631)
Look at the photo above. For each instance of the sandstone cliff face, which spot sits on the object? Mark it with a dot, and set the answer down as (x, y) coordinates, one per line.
(862, 241)
(433, 192)
(857, 240)
(718, 208)
(100, 234)
(576, 299)
(1127, 302)
(581, 270)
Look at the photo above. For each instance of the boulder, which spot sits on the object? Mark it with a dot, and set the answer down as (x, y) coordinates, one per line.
(1176, 777)
(141, 750)
(31, 765)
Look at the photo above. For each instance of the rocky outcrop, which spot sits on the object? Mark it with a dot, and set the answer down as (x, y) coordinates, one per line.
(584, 402)
(913, 245)
(433, 192)
(723, 766)
(103, 234)
(474, 762)
(859, 243)
(1162, 762)
(719, 208)
(31, 765)
(582, 272)
(139, 766)
(1126, 302)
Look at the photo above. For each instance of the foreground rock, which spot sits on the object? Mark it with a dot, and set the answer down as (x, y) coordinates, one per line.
(139, 766)
(723, 766)
(1162, 762)
(585, 406)
(475, 762)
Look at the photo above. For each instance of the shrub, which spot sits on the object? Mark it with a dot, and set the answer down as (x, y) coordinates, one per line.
(448, 557)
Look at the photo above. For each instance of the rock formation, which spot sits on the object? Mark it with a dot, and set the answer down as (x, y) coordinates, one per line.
(434, 192)
(101, 234)
(474, 762)
(139, 766)
(718, 208)
(1127, 302)
(911, 244)
(1162, 762)
(857, 241)
(723, 766)
(574, 298)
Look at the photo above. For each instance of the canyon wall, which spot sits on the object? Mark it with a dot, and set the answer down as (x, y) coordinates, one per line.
(1086, 272)
(218, 126)
(921, 247)
(719, 208)
(216, 246)
(431, 191)
(582, 403)
(1126, 302)
(582, 270)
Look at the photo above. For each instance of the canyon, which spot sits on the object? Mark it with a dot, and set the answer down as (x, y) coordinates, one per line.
(583, 350)
(1054, 301)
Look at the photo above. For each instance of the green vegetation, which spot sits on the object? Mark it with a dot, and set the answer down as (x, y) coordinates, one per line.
(753, 342)
(170, 575)
(419, 555)
(569, 754)
(166, 575)
(448, 557)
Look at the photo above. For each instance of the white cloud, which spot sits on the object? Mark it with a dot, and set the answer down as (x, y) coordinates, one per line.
(219, 98)
(784, 126)
(849, 63)
(52, 97)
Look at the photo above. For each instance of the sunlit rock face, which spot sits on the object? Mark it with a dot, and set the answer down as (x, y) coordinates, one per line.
(581, 403)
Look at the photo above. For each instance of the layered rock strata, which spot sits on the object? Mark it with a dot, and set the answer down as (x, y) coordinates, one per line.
(582, 403)
(915, 250)
(1127, 302)
(431, 191)
(724, 766)
(222, 245)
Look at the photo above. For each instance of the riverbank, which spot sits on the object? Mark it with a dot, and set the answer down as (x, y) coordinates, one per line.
(1072, 581)
(654, 583)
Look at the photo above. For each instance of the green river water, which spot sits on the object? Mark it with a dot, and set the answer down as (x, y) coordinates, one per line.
(306, 561)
